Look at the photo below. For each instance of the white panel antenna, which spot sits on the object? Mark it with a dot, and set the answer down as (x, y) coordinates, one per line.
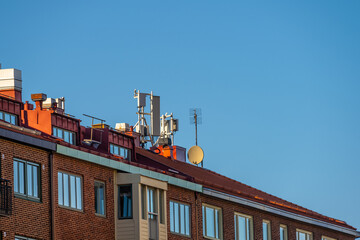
(147, 133)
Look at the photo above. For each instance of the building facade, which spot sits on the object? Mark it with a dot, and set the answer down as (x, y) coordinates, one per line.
(62, 180)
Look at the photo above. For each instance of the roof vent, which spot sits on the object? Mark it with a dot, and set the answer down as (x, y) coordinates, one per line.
(123, 127)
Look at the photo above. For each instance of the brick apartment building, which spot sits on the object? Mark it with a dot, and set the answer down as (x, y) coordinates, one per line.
(62, 180)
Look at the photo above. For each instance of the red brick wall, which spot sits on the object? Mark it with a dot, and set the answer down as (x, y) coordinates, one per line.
(73, 224)
(29, 218)
(228, 210)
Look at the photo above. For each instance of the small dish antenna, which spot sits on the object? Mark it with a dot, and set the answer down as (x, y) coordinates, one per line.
(195, 155)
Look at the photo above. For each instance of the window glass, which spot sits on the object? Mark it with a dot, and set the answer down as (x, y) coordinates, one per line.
(243, 227)
(125, 201)
(327, 238)
(66, 135)
(143, 202)
(69, 191)
(161, 206)
(100, 198)
(120, 151)
(303, 235)
(266, 230)
(179, 218)
(60, 188)
(26, 178)
(8, 117)
(211, 222)
(283, 232)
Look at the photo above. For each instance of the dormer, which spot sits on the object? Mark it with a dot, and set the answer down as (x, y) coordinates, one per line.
(51, 120)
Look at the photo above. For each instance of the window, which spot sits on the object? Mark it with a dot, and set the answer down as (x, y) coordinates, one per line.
(327, 238)
(143, 202)
(120, 151)
(26, 179)
(99, 188)
(161, 206)
(23, 238)
(151, 203)
(8, 117)
(69, 191)
(180, 218)
(283, 232)
(266, 230)
(243, 227)
(67, 136)
(125, 202)
(212, 222)
(303, 235)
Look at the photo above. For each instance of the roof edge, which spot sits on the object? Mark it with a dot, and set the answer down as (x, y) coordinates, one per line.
(266, 208)
(127, 168)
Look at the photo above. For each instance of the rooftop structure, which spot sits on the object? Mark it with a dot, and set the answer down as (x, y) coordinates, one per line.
(62, 180)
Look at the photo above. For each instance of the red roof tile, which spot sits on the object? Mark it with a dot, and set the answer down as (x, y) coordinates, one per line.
(224, 184)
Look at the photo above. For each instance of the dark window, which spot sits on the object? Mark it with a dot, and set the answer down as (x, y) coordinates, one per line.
(100, 198)
(125, 202)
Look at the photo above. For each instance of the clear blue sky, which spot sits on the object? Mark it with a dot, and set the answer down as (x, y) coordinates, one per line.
(278, 81)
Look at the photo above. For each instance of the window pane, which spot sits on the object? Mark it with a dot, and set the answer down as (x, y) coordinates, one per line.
(13, 119)
(21, 178)
(242, 228)
(172, 227)
(78, 193)
(176, 217)
(265, 231)
(29, 180)
(72, 192)
(16, 176)
(210, 222)
(60, 133)
(182, 219)
(72, 138)
(66, 189)
(35, 181)
(125, 201)
(66, 136)
(7, 117)
(187, 220)
(60, 188)
(101, 199)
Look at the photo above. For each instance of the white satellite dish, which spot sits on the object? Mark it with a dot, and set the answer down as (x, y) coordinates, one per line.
(195, 155)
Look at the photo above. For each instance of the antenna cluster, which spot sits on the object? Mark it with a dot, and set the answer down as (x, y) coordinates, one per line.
(157, 132)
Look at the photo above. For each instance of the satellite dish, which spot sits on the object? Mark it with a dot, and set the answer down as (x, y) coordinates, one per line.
(195, 155)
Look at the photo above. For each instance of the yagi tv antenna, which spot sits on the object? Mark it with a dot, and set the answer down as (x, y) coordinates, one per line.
(195, 153)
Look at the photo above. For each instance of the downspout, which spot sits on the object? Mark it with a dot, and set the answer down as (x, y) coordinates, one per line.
(52, 197)
(196, 216)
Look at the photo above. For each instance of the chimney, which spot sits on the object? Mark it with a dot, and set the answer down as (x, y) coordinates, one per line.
(38, 98)
(11, 83)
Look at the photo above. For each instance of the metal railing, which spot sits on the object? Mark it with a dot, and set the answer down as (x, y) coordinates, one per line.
(5, 197)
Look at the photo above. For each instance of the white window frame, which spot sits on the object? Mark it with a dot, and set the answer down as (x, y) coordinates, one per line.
(9, 118)
(70, 196)
(249, 228)
(72, 135)
(25, 180)
(309, 235)
(268, 232)
(120, 151)
(185, 221)
(218, 228)
(327, 238)
(97, 194)
(285, 237)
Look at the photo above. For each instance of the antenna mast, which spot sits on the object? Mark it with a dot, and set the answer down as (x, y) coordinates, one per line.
(195, 118)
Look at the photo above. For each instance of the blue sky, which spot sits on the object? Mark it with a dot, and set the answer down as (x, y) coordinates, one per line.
(277, 81)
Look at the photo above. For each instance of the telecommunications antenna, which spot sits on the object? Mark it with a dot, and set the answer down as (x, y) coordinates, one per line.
(196, 118)
(195, 155)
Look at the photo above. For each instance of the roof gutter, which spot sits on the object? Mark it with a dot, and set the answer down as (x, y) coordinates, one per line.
(127, 168)
(266, 208)
(22, 138)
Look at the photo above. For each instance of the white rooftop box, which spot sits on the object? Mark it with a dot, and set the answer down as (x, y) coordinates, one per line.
(10, 79)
